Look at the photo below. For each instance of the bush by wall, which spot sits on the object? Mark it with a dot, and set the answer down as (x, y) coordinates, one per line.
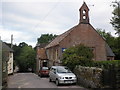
(106, 64)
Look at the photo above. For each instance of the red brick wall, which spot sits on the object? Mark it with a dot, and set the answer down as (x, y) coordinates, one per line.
(86, 34)
(53, 54)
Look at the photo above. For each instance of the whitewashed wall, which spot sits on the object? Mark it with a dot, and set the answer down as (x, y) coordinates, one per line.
(10, 63)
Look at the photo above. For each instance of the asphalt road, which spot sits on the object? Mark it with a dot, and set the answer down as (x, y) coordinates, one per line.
(31, 80)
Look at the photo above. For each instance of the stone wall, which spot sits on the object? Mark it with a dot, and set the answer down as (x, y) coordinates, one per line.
(89, 76)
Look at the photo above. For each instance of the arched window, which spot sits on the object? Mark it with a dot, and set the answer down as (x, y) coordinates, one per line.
(84, 11)
(84, 17)
(84, 14)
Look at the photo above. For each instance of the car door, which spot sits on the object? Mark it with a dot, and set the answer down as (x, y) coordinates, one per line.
(51, 74)
(54, 74)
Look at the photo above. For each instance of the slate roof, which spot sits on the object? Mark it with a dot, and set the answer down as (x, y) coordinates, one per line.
(6, 47)
(109, 51)
(59, 38)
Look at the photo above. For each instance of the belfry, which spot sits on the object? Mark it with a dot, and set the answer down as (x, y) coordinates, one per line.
(84, 14)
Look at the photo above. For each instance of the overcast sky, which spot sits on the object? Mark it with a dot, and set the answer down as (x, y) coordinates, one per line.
(28, 19)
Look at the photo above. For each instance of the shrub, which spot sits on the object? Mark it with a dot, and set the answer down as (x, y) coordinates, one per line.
(107, 64)
(77, 55)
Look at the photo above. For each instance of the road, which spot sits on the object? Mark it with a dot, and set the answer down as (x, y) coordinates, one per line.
(31, 80)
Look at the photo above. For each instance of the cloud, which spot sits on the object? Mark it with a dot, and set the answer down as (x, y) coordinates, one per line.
(6, 34)
(17, 35)
(41, 0)
(13, 18)
(28, 19)
(18, 21)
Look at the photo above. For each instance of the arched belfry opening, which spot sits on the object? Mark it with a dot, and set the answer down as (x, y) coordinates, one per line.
(84, 14)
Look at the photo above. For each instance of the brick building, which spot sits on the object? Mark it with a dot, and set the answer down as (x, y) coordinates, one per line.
(41, 58)
(83, 33)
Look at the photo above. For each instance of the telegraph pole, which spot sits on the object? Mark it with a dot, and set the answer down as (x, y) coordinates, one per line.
(12, 41)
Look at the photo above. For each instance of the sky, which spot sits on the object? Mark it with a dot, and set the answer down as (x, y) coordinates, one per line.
(28, 19)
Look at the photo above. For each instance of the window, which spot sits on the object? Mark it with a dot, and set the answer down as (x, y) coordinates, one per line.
(56, 56)
(53, 69)
(84, 14)
(84, 11)
(84, 17)
(63, 70)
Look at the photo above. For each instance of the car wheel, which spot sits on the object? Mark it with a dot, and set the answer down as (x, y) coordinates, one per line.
(74, 83)
(57, 82)
(50, 79)
(41, 75)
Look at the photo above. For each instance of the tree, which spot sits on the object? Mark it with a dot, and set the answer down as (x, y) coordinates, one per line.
(24, 57)
(15, 55)
(115, 21)
(108, 37)
(23, 44)
(46, 38)
(78, 55)
(116, 48)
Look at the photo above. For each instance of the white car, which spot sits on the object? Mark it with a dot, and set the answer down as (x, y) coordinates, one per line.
(62, 75)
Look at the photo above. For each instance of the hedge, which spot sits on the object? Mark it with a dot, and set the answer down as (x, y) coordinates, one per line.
(106, 64)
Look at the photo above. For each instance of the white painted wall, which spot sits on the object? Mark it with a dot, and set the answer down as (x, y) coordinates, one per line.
(10, 63)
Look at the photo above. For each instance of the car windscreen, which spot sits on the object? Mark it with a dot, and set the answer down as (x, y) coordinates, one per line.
(45, 68)
(63, 70)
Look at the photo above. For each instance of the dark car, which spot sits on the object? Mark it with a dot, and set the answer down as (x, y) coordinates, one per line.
(44, 71)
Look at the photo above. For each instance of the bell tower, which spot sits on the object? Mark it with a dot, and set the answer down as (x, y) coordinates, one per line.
(84, 14)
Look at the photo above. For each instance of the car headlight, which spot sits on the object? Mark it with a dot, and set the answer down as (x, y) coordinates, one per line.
(74, 77)
(61, 77)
